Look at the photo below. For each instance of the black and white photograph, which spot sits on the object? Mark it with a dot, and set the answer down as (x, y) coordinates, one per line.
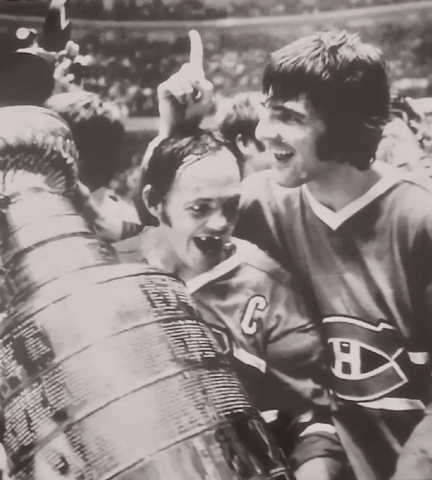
(215, 239)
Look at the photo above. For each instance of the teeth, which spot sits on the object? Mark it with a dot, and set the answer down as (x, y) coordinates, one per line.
(211, 238)
(281, 152)
(209, 244)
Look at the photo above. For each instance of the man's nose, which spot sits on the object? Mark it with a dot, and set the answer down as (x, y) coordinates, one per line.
(218, 222)
(265, 130)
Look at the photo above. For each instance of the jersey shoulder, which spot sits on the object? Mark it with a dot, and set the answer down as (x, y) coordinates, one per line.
(249, 269)
(260, 266)
(264, 209)
(252, 293)
(408, 203)
(416, 183)
(261, 187)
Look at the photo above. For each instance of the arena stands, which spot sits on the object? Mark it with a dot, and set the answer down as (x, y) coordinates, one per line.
(131, 62)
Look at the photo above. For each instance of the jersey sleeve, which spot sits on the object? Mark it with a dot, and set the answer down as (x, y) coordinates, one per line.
(425, 275)
(263, 208)
(311, 436)
(295, 359)
(293, 346)
(416, 455)
(255, 223)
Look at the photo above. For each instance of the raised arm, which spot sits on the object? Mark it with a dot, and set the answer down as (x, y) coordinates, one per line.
(187, 96)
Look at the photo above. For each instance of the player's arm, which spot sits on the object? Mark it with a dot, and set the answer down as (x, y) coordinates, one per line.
(187, 96)
(183, 102)
(415, 460)
(295, 358)
(259, 221)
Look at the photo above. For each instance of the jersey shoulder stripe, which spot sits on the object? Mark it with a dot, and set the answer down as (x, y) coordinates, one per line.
(254, 264)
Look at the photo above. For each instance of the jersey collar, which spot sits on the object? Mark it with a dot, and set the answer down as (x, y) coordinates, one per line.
(335, 219)
(220, 269)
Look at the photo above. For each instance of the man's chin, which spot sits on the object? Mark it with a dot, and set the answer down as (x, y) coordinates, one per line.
(283, 179)
(202, 263)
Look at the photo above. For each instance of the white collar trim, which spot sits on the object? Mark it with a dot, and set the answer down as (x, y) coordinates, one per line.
(335, 219)
(220, 269)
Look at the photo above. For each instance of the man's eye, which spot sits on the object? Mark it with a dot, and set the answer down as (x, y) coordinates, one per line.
(199, 209)
(287, 116)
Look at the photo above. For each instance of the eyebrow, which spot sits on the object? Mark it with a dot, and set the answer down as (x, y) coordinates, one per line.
(290, 107)
(199, 199)
(236, 196)
(286, 106)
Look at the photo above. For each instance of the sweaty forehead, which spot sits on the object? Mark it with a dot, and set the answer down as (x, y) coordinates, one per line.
(213, 173)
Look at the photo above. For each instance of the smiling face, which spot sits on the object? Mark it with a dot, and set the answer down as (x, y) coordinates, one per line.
(199, 213)
(291, 131)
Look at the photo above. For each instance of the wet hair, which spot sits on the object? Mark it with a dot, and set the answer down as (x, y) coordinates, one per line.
(98, 133)
(346, 83)
(169, 155)
(239, 115)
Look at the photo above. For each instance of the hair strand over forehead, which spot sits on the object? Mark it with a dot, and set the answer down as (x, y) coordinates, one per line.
(171, 154)
(344, 79)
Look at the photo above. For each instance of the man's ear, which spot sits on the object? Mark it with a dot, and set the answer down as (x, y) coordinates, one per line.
(152, 203)
(246, 146)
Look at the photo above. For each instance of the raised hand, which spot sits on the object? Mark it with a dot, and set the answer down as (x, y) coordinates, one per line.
(67, 68)
(57, 28)
(187, 96)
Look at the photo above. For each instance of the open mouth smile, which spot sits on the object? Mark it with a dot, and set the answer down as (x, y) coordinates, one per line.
(282, 155)
(209, 245)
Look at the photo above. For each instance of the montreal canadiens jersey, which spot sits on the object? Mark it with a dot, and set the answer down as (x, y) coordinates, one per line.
(366, 270)
(253, 307)
(262, 323)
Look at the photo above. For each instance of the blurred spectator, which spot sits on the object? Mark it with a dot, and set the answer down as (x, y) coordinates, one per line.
(405, 139)
(237, 118)
(98, 132)
(400, 148)
(26, 78)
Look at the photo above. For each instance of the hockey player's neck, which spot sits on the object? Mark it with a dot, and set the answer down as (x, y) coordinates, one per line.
(186, 273)
(342, 186)
(161, 254)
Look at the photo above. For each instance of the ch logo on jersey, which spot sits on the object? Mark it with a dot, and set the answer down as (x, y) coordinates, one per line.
(249, 324)
(365, 364)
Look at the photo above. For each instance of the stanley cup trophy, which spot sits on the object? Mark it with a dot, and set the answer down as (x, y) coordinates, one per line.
(107, 371)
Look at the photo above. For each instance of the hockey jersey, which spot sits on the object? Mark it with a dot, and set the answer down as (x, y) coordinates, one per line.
(263, 324)
(366, 272)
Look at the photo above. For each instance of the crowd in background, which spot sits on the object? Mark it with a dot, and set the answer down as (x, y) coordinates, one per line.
(128, 66)
(190, 9)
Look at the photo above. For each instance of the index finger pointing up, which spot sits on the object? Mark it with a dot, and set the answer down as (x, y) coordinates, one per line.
(196, 57)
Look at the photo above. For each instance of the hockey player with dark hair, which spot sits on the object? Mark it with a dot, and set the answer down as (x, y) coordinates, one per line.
(356, 234)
